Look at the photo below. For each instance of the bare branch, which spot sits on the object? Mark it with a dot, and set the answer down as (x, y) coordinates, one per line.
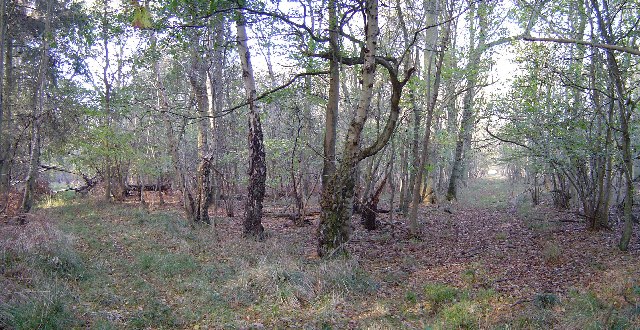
(623, 49)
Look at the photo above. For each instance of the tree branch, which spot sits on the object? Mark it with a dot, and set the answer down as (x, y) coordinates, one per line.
(225, 112)
(623, 49)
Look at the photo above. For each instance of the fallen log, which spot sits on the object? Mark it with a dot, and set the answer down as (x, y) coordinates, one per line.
(148, 187)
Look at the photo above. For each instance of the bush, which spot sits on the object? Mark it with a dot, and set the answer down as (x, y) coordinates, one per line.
(545, 300)
(551, 253)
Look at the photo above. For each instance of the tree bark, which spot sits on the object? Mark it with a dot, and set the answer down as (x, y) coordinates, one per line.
(6, 52)
(198, 80)
(108, 168)
(257, 166)
(38, 109)
(331, 113)
(467, 125)
(337, 195)
(625, 138)
(413, 216)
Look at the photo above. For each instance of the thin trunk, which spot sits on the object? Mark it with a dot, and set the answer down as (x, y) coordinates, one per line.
(172, 145)
(6, 90)
(417, 117)
(467, 124)
(108, 170)
(197, 79)
(257, 166)
(404, 181)
(413, 216)
(625, 139)
(392, 181)
(3, 32)
(38, 109)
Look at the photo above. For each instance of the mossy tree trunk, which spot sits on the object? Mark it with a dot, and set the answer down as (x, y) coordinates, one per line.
(200, 197)
(337, 195)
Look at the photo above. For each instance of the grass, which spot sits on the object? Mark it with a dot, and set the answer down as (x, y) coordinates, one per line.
(580, 309)
(127, 268)
(492, 193)
(114, 266)
(440, 294)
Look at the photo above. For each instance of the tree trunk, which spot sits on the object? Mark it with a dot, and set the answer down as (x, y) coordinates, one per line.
(108, 167)
(413, 216)
(38, 109)
(625, 139)
(6, 90)
(331, 113)
(467, 125)
(257, 167)
(163, 105)
(201, 192)
(337, 195)
(3, 32)
(337, 199)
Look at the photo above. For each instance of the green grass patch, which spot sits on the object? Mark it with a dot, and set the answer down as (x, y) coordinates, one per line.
(37, 314)
(460, 315)
(440, 294)
(44, 306)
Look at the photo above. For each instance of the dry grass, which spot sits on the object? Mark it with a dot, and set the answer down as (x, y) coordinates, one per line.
(83, 263)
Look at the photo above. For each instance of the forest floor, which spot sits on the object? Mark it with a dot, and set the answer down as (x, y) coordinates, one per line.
(489, 261)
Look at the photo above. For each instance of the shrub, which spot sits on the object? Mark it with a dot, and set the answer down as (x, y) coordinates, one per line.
(545, 300)
(551, 252)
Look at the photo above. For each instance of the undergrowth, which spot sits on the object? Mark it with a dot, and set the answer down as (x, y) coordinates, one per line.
(110, 266)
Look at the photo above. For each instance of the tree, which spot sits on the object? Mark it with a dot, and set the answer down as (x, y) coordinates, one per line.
(257, 166)
(38, 110)
(337, 196)
(416, 189)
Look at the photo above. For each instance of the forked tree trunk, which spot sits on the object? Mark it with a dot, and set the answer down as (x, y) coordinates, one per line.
(337, 196)
(257, 166)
